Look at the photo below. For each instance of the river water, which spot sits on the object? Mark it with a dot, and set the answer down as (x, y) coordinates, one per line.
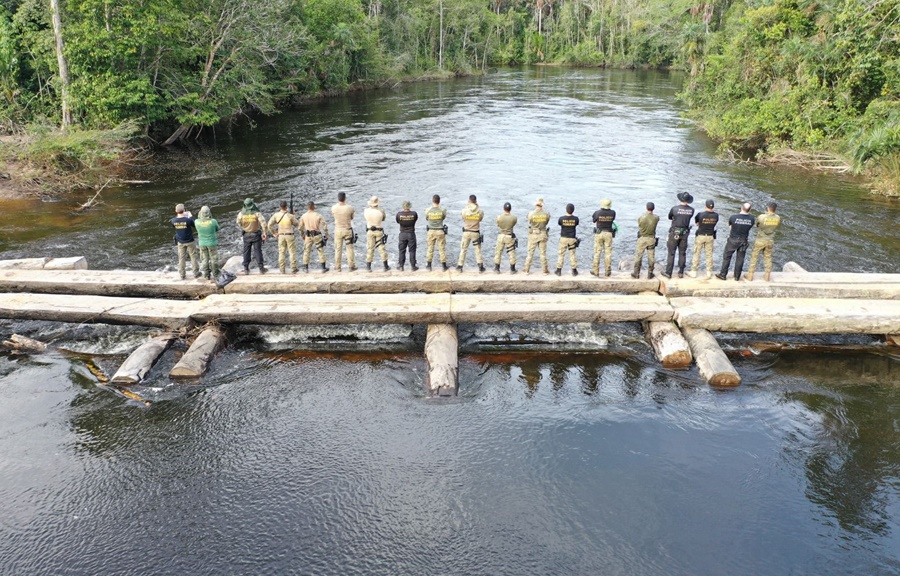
(568, 451)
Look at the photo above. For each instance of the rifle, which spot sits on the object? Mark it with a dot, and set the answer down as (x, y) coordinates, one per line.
(292, 202)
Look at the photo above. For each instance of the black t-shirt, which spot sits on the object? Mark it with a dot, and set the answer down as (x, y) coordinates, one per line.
(567, 225)
(407, 220)
(680, 216)
(184, 232)
(706, 222)
(603, 218)
(741, 224)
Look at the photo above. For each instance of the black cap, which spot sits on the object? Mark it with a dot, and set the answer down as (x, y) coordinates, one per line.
(710, 204)
(651, 206)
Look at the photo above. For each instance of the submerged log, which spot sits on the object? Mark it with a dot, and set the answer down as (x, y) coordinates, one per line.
(442, 359)
(714, 366)
(672, 350)
(196, 360)
(139, 363)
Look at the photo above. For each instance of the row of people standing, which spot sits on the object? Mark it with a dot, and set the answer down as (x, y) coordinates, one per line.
(284, 225)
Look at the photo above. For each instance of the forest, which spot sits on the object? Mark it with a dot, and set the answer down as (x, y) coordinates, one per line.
(807, 79)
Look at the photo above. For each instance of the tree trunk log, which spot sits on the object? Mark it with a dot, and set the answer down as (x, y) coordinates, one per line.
(711, 360)
(139, 363)
(442, 358)
(63, 66)
(792, 267)
(196, 360)
(24, 344)
(672, 350)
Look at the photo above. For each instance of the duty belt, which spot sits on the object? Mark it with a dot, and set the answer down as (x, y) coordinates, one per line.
(310, 233)
(285, 233)
(374, 229)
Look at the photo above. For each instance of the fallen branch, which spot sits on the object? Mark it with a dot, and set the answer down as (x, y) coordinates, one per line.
(93, 201)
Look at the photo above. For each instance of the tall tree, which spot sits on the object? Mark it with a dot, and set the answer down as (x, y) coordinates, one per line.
(63, 66)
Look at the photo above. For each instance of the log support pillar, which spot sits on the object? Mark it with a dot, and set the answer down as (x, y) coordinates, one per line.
(139, 363)
(196, 360)
(714, 366)
(442, 359)
(672, 350)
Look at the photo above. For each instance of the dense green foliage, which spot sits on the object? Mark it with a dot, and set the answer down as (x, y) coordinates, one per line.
(807, 74)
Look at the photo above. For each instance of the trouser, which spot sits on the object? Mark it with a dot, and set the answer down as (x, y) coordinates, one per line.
(436, 237)
(373, 239)
(287, 243)
(764, 245)
(647, 243)
(313, 241)
(681, 246)
(407, 241)
(602, 241)
(736, 247)
(253, 243)
(505, 242)
(701, 242)
(470, 238)
(184, 250)
(537, 240)
(567, 245)
(209, 262)
(340, 237)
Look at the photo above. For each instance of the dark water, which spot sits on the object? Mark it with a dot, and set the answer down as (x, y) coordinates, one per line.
(313, 450)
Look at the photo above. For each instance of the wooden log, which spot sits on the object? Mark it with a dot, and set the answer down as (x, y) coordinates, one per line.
(105, 283)
(893, 339)
(74, 263)
(789, 316)
(97, 309)
(672, 350)
(23, 264)
(196, 360)
(563, 308)
(141, 361)
(714, 366)
(792, 267)
(729, 289)
(24, 344)
(442, 359)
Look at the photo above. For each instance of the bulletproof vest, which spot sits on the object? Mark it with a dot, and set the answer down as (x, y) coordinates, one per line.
(435, 217)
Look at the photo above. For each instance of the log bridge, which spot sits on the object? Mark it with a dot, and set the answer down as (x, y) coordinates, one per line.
(678, 315)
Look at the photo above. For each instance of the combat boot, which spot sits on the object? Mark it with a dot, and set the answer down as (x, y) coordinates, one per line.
(386, 267)
(281, 270)
(400, 268)
(246, 271)
(692, 273)
(369, 266)
(263, 269)
(353, 268)
(481, 268)
(558, 272)
(428, 267)
(574, 271)
(637, 271)
(608, 272)
(650, 273)
(497, 268)
(459, 268)
(324, 269)
(444, 265)
(546, 271)
(306, 267)
(595, 274)
(748, 276)
(415, 268)
(512, 268)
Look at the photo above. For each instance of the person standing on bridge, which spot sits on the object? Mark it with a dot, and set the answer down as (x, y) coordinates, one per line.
(253, 232)
(506, 239)
(706, 235)
(184, 226)
(767, 223)
(604, 232)
(537, 235)
(738, 239)
(282, 225)
(407, 219)
(343, 232)
(375, 235)
(208, 239)
(647, 240)
(472, 216)
(568, 242)
(437, 232)
(680, 215)
(315, 233)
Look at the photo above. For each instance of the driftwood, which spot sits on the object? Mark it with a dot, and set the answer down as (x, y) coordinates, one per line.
(671, 348)
(711, 360)
(196, 360)
(93, 201)
(139, 363)
(24, 344)
(442, 358)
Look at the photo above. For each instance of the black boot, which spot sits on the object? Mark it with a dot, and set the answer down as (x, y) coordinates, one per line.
(444, 266)
(386, 267)
(497, 268)
(481, 268)
(306, 267)
(558, 272)
(415, 268)
(324, 269)
(459, 268)
(512, 268)
(369, 266)
(400, 268)
(650, 273)
(428, 267)
(574, 271)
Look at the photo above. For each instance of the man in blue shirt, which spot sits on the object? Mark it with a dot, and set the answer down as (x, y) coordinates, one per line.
(184, 226)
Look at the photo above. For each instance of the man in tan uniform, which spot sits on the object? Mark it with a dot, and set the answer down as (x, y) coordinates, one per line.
(375, 235)
(437, 232)
(343, 232)
(472, 216)
(767, 224)
(647, 241)
(506, 239)
(282, 225)
(537, 235)
(315, 233)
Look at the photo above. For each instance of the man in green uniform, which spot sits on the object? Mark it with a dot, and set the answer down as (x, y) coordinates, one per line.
(767, 224)
(437, 232)
(253, 232)
(568, 227)
(375, 236)
(282, 225)
(208, 238)
(343, 232)
(472, 216)
(604, 230)
(646, 241)
(537, 235)
(315, 232)
(186, 246)
(506, 239)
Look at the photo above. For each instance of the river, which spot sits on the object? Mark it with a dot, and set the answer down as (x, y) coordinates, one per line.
(314, 450)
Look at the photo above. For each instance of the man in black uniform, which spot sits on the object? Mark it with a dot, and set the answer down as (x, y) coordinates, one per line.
(568, 226)
(706, 235)
(407, 219)
(737, 243)
(680, 216)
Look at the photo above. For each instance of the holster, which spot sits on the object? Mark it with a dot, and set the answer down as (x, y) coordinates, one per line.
(353, 238)
(383, 240)
(479, 241)
(445, 230)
